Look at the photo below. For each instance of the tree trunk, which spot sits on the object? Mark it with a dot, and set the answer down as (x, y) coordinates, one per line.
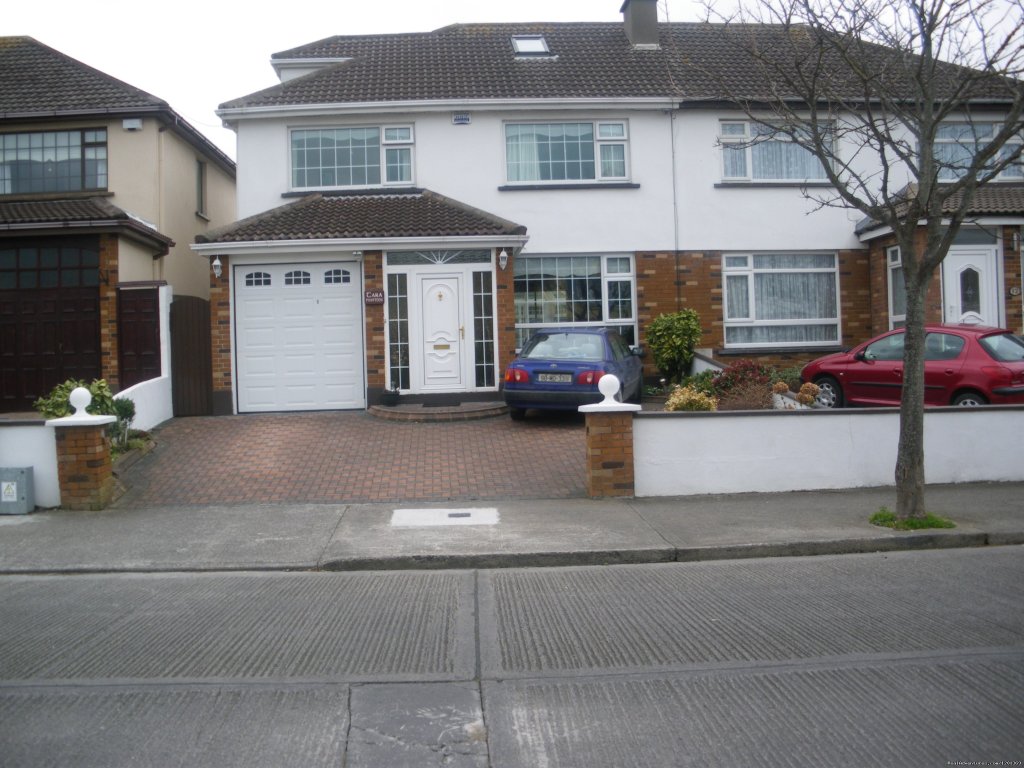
(910, 453)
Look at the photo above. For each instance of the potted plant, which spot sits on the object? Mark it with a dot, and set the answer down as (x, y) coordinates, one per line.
(389, 397)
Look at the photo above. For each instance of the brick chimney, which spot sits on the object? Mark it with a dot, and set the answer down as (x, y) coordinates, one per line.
(640, 18)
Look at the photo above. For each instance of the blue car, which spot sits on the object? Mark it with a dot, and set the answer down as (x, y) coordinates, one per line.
(559, 368)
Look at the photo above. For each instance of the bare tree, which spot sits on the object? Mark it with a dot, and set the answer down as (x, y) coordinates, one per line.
(868, 86)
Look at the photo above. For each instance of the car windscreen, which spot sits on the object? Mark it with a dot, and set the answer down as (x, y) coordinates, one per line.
(565, 346)
(1004, 347)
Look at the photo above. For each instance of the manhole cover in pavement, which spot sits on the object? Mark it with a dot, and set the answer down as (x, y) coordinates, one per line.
(410, 518)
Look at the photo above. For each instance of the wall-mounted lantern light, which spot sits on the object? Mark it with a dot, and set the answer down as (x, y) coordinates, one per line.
(217, 267)
(503, 259)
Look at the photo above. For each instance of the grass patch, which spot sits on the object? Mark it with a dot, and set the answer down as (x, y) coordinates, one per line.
(886, 518)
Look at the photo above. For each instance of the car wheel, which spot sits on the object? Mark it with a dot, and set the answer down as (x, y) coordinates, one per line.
(968, 399)
(830, 394)
(517, 414)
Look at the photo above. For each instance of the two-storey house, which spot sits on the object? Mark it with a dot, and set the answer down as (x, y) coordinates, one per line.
(102, 189)
(416, 204)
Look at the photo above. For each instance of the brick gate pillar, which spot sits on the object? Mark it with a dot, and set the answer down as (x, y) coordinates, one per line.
(84, 469)
(609, 443)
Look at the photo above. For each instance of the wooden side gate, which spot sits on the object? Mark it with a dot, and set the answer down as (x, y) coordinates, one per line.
(191, 366)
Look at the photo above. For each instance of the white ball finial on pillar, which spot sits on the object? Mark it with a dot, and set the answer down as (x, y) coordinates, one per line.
(80, 398)
(609, 386)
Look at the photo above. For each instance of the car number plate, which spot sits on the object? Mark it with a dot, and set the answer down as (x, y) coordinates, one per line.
(555, 378)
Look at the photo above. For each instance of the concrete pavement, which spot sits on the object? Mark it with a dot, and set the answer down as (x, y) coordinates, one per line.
(489, 533)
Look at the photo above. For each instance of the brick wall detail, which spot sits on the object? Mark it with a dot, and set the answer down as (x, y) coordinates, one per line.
(220, 327)
(610, 454)
(84, 469)
(108, 311)
(376, 338)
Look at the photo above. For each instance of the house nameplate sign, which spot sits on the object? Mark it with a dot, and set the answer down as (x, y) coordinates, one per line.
(374, 297)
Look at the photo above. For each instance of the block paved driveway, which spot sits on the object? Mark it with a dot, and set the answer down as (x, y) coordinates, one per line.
(335, 457)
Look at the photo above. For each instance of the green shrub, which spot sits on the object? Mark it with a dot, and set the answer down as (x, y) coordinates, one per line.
(57, 404)
(690, 399)
(672, 339)
(790, 375)
(702, 382)
(120, 431)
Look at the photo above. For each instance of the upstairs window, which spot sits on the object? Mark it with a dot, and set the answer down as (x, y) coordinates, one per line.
(53, 161)
(956, 144)
(351, 157)
(566, 152)
(754, 152)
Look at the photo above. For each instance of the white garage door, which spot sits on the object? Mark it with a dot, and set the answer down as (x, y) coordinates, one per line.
(298, 336)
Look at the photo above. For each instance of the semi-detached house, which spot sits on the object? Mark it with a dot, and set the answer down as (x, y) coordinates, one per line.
(102, 189)
(416, 204)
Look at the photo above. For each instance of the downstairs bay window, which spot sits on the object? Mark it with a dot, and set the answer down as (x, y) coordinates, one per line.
(781, 299)
(596, 291)
(897, 288)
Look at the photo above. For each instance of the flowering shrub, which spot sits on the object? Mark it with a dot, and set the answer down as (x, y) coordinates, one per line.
(743, 372)
(808, 393)
(780, 388)
(690, 399)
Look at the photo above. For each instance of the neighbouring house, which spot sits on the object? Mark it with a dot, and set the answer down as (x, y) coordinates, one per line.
(102, 189)
(414, 205)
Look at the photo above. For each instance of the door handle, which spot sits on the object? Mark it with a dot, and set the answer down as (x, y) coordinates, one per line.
(462, 332)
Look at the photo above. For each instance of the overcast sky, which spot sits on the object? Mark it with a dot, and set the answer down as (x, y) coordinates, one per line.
(197, 54)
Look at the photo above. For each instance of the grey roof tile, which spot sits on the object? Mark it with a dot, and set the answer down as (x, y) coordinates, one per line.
(383, 215)
(21, 217)
(465, 62)
(40, 80)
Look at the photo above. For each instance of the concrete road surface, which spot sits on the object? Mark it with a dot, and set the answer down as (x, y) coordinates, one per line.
(901, 659)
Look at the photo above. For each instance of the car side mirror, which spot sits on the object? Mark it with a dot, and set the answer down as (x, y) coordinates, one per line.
(860, 356)
(638, 351)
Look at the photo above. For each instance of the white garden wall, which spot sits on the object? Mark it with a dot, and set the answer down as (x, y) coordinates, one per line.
(679, 454)
(33, 444)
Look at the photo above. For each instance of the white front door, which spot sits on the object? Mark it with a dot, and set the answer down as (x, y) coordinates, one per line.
(970, 286)
(443, 332)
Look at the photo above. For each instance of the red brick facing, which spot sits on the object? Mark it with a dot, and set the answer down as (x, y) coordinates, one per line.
(610, 454)
(376, 339)
(84, 469)
(220, 327)
(108, 311)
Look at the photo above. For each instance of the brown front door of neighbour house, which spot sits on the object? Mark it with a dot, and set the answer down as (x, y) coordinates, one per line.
(49, 318)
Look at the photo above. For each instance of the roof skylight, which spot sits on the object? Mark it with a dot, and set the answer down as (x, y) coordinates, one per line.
(530, 45)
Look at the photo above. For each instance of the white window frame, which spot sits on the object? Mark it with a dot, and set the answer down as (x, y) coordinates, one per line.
(607, 276)
(530, 45)
(894, 262)
(386, 146)
(741, 265)
(608, 140)
(1013, 173)
(744, 142)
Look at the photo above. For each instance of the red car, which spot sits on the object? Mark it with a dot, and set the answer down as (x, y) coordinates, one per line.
(964, 365)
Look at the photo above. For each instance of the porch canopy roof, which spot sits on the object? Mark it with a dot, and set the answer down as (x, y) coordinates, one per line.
(375, 219)
(77, 216)
(995, 203)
